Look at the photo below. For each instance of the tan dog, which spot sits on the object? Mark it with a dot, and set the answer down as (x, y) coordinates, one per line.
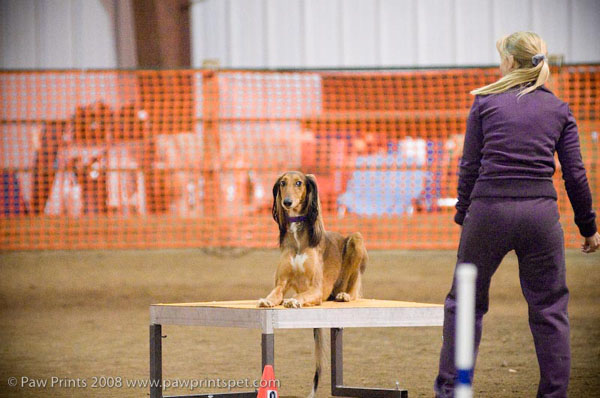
(318, 265)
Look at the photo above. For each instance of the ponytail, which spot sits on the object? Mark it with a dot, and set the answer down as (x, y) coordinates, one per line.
(532, 71)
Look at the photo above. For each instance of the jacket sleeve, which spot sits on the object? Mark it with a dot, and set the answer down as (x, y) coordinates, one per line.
(470, 162)
(576, 183)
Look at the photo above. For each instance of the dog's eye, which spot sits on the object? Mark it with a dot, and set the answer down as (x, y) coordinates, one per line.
(283, 183)
(298, 183)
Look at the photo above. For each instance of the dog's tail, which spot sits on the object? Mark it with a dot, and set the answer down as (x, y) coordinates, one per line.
(319, 355)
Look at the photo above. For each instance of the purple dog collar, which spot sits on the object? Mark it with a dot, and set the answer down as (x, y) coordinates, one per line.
(297, 219)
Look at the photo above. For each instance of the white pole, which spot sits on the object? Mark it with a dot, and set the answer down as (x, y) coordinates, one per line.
(465, 329)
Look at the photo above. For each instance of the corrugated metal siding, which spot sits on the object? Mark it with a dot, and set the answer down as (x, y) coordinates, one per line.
(343, 33)
(58, 34)
(303, 33)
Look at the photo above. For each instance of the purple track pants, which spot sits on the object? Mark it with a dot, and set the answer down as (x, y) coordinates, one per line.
(531, 227)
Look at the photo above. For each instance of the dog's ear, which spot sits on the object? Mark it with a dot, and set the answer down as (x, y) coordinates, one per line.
(278, 213)
(313, 211)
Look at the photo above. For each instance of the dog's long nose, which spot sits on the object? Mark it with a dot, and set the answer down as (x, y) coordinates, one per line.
(287, 202)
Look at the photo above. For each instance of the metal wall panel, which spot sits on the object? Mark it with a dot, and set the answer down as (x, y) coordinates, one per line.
(58, 34)
(210, 32)
(94, 38)
(285, 36)
(338, 33)
(304, 33)
(55, 34)
(248, 33)
(360, 38)
(436, 38)
(550, 19)
(585, 31)
(510, 16)
(322, 33)
(474, 33)
(398, 32)
(18, 33)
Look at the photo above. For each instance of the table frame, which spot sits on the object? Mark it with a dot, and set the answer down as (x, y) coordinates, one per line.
(334, 316)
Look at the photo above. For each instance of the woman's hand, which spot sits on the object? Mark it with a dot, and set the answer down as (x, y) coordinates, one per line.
(591, 244)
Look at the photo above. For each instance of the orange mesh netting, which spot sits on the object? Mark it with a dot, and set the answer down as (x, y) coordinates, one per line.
(158, 159)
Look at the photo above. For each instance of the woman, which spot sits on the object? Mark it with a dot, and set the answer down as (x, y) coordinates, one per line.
(506, 201)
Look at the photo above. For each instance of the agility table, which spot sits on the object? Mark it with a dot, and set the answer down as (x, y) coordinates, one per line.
(364, 313)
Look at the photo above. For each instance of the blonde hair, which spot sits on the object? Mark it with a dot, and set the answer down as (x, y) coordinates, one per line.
(522, 47)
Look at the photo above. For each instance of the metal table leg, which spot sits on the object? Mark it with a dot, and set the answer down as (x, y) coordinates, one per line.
(156, 367)
(268, 350)
(155, 361)
(337, 375)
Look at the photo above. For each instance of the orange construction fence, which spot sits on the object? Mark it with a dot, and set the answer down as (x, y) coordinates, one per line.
(188, 158)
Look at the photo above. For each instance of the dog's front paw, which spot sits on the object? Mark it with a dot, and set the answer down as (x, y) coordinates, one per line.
(264, 303)
(345, 297)
(291, 303)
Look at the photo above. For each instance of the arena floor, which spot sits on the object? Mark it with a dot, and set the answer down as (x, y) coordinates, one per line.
(82, 318)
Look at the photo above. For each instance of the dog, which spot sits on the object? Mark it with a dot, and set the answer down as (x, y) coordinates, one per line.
(318, 265)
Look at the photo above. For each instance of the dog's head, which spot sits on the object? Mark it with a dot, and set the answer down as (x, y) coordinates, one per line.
(296, 193)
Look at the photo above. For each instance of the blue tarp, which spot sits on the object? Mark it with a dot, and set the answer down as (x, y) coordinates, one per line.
(385, 192)
(377, 193)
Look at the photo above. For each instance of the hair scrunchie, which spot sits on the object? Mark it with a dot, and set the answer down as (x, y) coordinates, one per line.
(537, 58)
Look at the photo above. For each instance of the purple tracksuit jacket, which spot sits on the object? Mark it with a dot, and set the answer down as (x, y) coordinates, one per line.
(509, 152)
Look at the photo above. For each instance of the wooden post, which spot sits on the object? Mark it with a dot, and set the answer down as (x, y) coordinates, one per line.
(212, 146)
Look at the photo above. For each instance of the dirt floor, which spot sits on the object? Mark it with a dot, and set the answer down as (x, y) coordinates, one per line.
(82, 319)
